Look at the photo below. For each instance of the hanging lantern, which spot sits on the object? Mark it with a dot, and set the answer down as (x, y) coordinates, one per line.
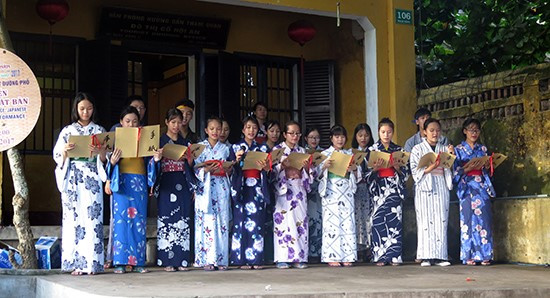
(301, 32)
(52, 11)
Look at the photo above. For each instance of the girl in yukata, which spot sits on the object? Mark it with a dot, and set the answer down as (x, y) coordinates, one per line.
(337, 198)
(212, 201)
(474, 191)
(175, 204)
(128, 183)
(386, 189)
(362, 139)
(250, 199)
(431, 200)
(226, 130)
(314, 209)
(290, 220)
(273, 131)
(80, 182)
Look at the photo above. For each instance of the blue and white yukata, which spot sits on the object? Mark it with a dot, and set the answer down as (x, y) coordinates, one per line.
(387, 195)
(474, 193)
(80, 181)
(212, 208)
(250, 199)
(315, 215)
(338, 201)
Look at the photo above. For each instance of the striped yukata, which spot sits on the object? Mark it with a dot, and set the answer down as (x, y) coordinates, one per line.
(431, 203)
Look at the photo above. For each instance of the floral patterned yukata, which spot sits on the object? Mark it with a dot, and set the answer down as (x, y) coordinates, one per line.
(474, 190)
(290, 232)
(212, 208)
(363, 211)
(175, 209)
(80, 182)
(387, 194)
(250, 196)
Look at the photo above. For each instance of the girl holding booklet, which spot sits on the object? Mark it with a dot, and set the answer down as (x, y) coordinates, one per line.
(314, 207)
(432, 185)
(128, 183)
(362, 139)
(175, 205)
(212, 202)
(80, 181)
(250, 198)
(386, 187)
(273, 131)
(337, 197)
(474, 190)
(290, 231)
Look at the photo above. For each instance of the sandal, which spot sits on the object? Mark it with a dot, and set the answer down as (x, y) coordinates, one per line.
(334, 264)
(76, 273)
(396, 264)
(282, 265)
(471, 263)
(486, 263)
(140, 269)
(209, 268)
(222, 268)
(245, 267)
(181, 268)
(381, 264)
(108, 264)
(120, 269)
(170, 269)
(347, 264)
(258, 267)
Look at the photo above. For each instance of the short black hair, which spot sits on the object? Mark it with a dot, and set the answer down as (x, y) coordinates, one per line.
(431, 120)
(469, 122)
(250, 119)
(129, 110)
(185, 102)
(259, 103)
(80, 96)
(133, 98)
(338, 130)
(421, 112)
(289, 123)
(358, 128)
(386, 121)
(173, 113)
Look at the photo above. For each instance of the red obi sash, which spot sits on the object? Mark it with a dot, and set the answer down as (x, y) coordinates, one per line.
(386, 172)
(252, 173)
(474, 173)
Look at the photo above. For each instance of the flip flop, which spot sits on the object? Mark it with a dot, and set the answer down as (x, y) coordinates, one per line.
(381, 264)
(120, 269)
(486, 263)
(245, 267)
(222, 268)
(471, 263)
(76, 273)
(347, 264)
(169, 269)
(258, 267)
(181, 268)
(140, 269)
(334, 264)
(209, 268)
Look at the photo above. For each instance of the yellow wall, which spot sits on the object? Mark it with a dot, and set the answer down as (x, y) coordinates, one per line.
(264, 31)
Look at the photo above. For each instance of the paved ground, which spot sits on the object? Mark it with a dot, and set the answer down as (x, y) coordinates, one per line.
(409, 280)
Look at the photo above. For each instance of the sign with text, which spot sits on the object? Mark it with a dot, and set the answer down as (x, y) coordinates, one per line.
(20, 100)
(126, 24)
(403, 16)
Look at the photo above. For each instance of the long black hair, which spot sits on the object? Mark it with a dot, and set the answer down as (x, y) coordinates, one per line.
(129, 110)
(358, 128)
(338, 130)
(80, 96)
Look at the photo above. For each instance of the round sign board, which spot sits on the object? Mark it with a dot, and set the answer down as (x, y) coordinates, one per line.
(20, 100)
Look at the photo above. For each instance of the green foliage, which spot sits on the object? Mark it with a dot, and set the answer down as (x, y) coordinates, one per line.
(459, 39)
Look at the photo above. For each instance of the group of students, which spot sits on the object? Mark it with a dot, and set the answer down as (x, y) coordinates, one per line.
(212, 213)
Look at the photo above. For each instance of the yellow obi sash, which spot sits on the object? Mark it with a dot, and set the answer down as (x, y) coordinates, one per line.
(132, 166)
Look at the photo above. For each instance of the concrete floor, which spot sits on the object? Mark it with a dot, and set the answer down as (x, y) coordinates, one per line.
(409, 280)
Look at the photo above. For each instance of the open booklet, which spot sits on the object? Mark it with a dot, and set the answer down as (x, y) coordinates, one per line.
(252, 158)
(340, 163)
(137, 141)
(399, 157)
(276, 155)
(296, 160)
(174, 151)
(225, 164)
(446, 160)
(498, 158)
(82, 144)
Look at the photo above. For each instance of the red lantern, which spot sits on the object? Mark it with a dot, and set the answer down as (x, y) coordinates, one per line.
(52, 11)
(301, 32)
